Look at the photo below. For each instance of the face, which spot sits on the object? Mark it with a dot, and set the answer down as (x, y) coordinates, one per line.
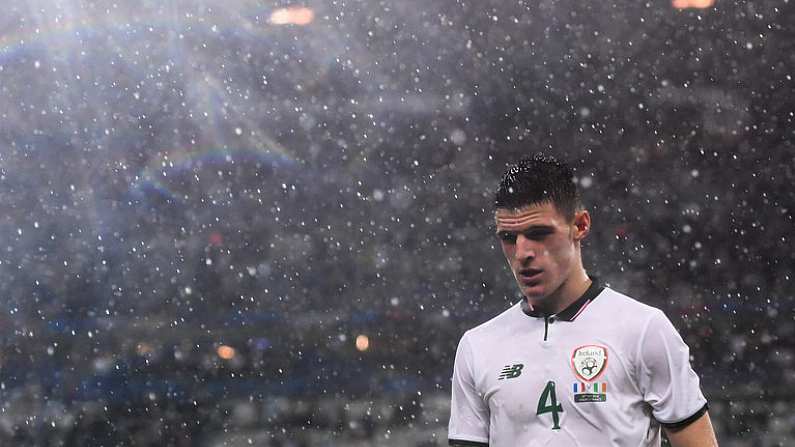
(541, 246)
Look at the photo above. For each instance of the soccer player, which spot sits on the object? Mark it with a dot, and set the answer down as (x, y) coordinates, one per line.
(573, 363)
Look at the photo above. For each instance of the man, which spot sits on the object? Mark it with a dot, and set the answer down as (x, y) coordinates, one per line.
(574, 363)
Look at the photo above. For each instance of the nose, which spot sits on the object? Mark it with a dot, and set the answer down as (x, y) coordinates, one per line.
(525, 249)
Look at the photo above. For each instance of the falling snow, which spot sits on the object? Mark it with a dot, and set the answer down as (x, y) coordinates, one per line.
(250, 223)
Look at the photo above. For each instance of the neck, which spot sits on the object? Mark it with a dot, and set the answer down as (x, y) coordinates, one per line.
(568, 292)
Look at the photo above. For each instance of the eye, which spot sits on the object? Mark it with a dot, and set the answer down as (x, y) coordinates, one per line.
(537, 235)
(507, 237)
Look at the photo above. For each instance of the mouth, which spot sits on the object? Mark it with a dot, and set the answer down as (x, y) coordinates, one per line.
(528, 276)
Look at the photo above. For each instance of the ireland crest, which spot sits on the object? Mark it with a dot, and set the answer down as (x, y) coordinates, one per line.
(589, 361)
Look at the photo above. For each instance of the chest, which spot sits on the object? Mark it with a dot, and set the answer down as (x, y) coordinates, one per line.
(580, 373)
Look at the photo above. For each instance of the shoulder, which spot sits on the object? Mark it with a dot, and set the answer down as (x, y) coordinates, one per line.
(496, 327)
(624, 307)
(623, 316)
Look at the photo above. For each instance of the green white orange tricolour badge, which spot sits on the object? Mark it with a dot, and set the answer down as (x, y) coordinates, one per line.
(589, 362)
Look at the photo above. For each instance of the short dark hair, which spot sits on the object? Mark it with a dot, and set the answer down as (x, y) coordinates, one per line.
(537, 180)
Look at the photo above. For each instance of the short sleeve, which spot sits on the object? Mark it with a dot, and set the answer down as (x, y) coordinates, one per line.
(666, 379)
(469, 415)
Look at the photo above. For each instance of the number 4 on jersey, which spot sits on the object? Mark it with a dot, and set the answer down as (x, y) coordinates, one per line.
(548, 403)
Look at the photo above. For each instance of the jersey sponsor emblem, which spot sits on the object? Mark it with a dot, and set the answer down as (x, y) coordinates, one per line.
(589, 362)
(511, 371)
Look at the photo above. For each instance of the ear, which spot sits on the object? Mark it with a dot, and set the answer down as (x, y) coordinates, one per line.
(582, 225)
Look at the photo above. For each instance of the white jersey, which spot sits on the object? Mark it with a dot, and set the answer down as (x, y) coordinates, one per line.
(606, 371)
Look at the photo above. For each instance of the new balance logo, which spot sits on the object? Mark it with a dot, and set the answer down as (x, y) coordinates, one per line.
(511, 371)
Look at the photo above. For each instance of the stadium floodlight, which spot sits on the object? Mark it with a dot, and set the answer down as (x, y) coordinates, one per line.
(362, 343)
(292, 16)
(695, 4)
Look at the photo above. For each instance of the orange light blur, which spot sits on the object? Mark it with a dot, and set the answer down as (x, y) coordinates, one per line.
(698, 4)
(294, 15)
(362, 342)
(143, 348)
(226, 352)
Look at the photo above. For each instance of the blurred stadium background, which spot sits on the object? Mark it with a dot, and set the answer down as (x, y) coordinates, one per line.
(267, 223)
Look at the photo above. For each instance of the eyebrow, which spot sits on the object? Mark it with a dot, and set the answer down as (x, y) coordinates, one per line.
(529, 229)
